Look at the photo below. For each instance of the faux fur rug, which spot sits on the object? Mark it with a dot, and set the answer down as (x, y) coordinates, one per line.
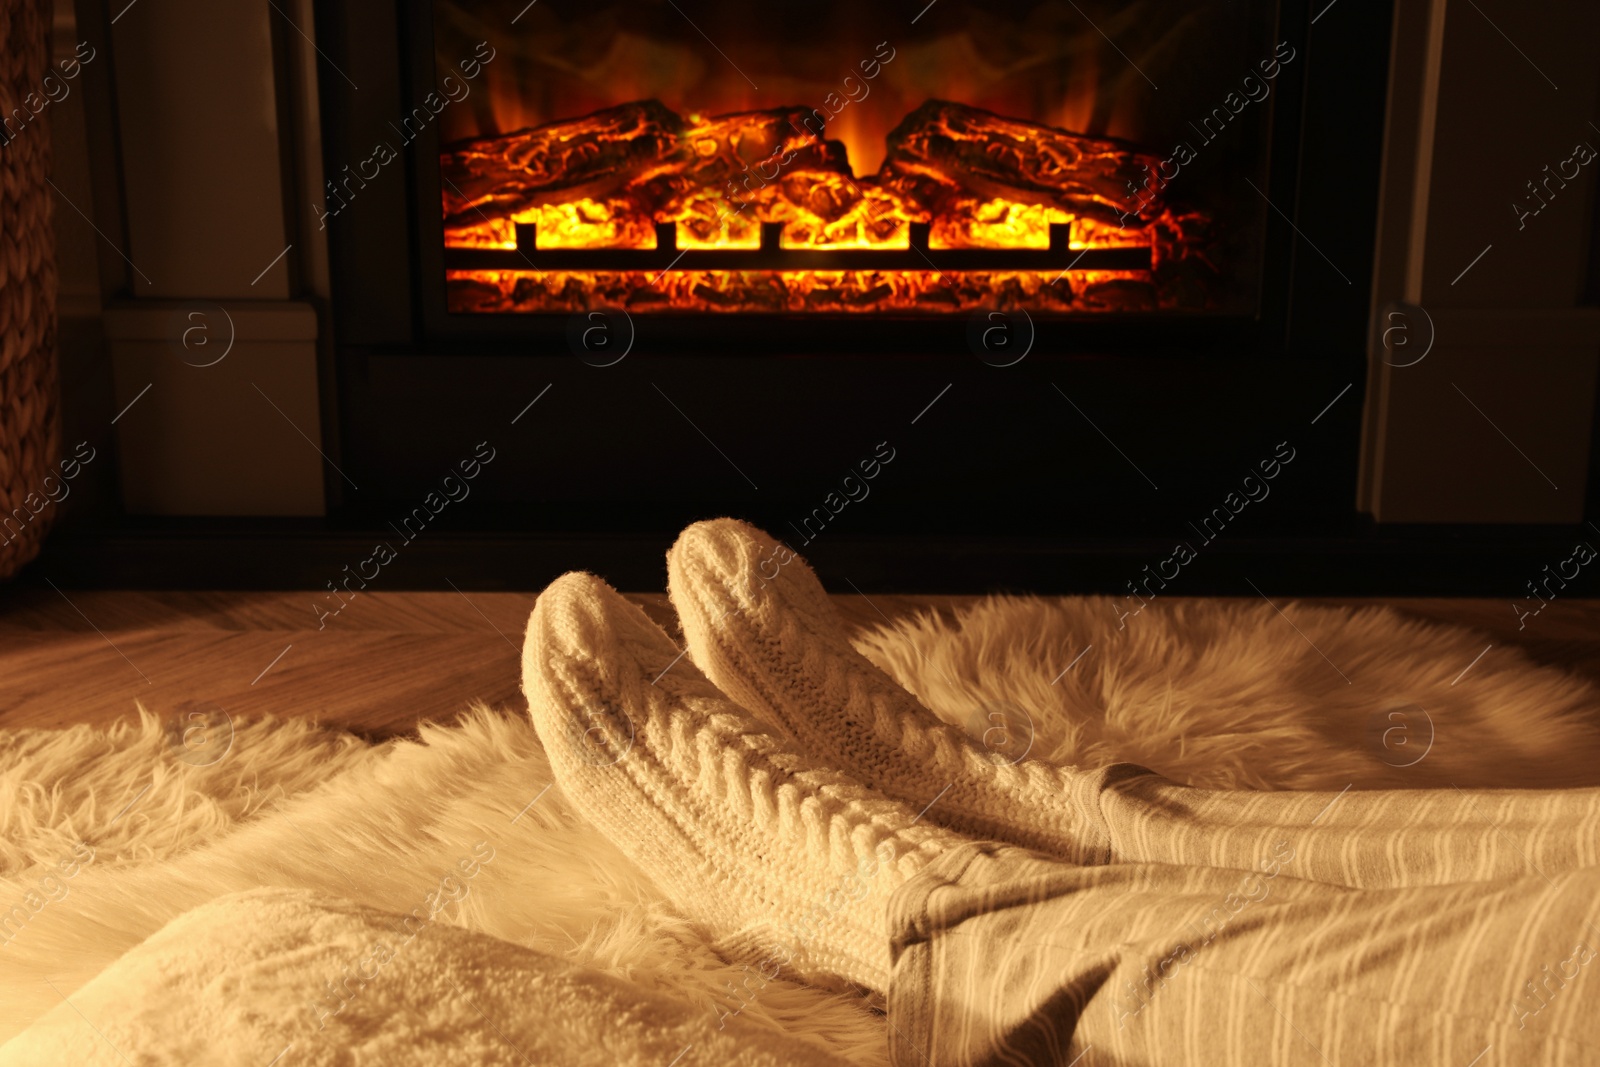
(312, 897)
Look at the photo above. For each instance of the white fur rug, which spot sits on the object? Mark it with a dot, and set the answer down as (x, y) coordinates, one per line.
(429, 900)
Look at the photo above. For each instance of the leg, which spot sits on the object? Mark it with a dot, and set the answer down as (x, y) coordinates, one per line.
(1006, 957)
(762, 628)
(1367, 839)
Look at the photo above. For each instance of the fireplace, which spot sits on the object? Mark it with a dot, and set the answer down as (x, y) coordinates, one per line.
(845, 159)
(1079, 266)
(869, 176)
(812, 228)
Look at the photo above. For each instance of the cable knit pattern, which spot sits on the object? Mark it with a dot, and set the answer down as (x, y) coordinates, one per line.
(776, 855)
(761, 627)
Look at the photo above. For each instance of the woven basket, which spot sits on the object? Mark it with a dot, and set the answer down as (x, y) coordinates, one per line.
(29, 414)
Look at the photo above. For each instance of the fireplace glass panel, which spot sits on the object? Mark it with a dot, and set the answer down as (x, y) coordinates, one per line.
(1066, 158)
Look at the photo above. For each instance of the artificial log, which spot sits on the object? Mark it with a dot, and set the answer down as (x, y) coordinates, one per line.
(593, 157)
(641, 152)
(944, 152)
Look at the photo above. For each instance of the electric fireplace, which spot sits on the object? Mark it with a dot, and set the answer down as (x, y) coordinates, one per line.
(811, 228)
(845, 158)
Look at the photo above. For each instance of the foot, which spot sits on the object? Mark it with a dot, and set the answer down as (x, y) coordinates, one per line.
(761, 627)
(776, 855)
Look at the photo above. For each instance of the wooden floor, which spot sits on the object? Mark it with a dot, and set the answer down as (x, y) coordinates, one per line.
(389, 660)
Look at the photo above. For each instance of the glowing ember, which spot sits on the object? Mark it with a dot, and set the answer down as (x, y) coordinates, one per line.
(978, 180)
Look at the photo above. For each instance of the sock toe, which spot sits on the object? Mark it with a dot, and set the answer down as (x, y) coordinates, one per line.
(760, 625)
(731, 566)
(582, 660)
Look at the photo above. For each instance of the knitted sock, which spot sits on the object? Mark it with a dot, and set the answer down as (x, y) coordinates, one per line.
(768, 850)
(761, 627)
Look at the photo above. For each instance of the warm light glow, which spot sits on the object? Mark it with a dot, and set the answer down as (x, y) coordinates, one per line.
(997, 224)
(579, 224)
(874, 218)
(717, 180)
(795, 291)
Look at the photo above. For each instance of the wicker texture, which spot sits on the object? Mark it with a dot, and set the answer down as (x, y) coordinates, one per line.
(29, 414)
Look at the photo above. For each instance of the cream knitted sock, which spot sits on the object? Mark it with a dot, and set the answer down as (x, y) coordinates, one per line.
(770, 851)
(761, 627)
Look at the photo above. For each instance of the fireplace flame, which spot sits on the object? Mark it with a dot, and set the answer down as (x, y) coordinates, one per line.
(977, 179)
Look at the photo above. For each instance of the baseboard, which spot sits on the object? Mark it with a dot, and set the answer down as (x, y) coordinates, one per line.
(307, 554)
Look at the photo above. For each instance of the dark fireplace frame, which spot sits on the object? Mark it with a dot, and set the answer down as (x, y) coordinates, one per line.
(1325, 152)
(410, 381)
